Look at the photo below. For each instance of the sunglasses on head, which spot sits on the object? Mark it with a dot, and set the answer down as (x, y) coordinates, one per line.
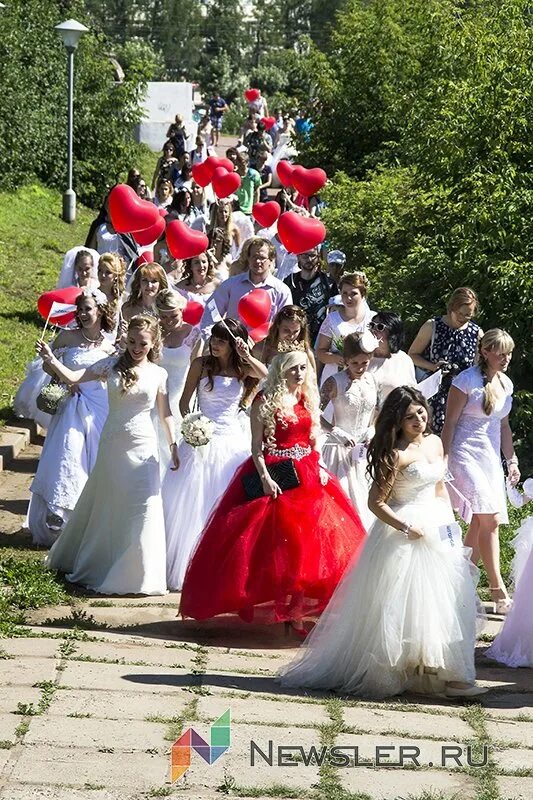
(378, 326)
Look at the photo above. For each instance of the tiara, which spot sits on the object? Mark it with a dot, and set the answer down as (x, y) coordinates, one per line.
(290, 347)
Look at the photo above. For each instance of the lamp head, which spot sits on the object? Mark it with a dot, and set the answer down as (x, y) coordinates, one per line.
(71, 33)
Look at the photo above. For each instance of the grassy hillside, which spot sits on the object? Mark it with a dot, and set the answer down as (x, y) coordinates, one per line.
(33, 239)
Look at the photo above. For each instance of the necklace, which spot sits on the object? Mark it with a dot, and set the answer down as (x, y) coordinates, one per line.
(88, 339)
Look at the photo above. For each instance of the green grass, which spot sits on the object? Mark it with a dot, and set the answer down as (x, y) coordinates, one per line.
(25, 583)
(33, 240)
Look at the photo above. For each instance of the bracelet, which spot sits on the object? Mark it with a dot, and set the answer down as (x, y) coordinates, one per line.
(512, 460)
(406, 530)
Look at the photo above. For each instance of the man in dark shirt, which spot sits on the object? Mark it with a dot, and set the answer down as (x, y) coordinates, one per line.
(312, 290)
(217, 108)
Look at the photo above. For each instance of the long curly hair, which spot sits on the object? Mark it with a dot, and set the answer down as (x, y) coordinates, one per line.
(492, 340)
(107, 319)
(187, 268)
(116, 265)
(125, 366)
(211, 364)
(381, 452)
(274, 407)
(152, 270)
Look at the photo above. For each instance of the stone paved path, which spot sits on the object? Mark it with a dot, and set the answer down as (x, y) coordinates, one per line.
(95, 693)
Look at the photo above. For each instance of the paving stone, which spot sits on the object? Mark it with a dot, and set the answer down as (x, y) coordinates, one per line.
(73, 732)
(8, 724)
(27, 671)
(264, 663)
(170, 599)
(4, 758)
(508, 704)
(262, 710)
(385, 784)
(124, 678)
(237, 762)
(31, 647)
(11, 696)
(498, 677)
(56, 765)
(114, 616)
(511, 731)
(11, 792)
(513, 758)
(515, 788)
(381, 720)
(430, 751)
(155, 654)
(117, 705)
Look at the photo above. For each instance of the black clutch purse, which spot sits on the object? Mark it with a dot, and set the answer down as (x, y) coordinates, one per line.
(283, 472)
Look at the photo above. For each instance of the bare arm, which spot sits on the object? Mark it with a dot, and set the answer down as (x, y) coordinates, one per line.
(167, 423)
(156, 173)
(68, 376)
(454, 408)
(377, 503)
(270, 487)
(323, 353)
(508, 451)
(328, 392)
(422, 340)
(254, 367)
(191, 383)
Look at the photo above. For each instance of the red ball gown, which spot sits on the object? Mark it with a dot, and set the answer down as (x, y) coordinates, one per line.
(272, 560)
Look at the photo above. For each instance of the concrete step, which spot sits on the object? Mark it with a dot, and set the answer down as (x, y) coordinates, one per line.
(15, 437)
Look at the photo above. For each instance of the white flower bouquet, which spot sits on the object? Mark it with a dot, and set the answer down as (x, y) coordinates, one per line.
(197, 430)
(50, 397)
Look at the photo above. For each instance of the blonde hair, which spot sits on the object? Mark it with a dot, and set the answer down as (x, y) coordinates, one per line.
(274, 407)
(125, 366)
(168, 300)
(463, 296)
(356, 279)
(151, 270)
(117, 266)
(492, 340)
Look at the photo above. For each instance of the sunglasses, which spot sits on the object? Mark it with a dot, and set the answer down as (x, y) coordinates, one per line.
(377, 326)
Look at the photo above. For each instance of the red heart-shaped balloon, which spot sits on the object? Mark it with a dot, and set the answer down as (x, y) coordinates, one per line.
(193, 312)
(260, 333)
(151, 234)
(212, 162)
(252, 94)
(308, 181)
(266, 213)
(299, 233)
(254, 308)
(284, 170)
(145, 258)
(66, 297)
(162, 211)
(183, 242)
(128, 212)
(269, 122)
(224, 182)
(202, 173)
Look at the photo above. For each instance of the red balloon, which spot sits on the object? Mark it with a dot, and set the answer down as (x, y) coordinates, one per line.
(202, 173)
(162, 211)
(193, 312)
(224, 182)
(266, 213)
(260, 333)
(67, 296)
(284, 172)
(212, 162)
(128, 212)
(299, 233)
(308, 181)
(151, 234)
(254, 308)
(252, 94)
(183, 242)
(269, 122)
(145, 258)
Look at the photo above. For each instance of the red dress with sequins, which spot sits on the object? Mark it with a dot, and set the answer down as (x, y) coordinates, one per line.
(270, 559)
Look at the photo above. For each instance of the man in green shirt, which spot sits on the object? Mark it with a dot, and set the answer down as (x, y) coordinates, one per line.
(248, 192)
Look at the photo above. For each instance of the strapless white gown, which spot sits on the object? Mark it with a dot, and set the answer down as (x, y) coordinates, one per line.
(406, 604)
(352, 409)
(204, 473)
(70, 447)
(114, 541)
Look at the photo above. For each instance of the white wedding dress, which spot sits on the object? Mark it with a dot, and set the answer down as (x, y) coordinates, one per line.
(70, 448)
(114, 541)
(204, 473)
(405, 605)
(353, 408)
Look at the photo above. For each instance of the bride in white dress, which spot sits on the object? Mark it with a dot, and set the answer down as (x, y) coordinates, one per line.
(71, 444)
(114, 541)
(353, 396)
(204, 472)
(404, 617)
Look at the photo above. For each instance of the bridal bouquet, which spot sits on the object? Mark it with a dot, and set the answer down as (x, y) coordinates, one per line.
(197, 430)
(51, 396)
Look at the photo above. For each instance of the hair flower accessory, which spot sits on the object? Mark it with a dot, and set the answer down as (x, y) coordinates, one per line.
(97, 294)
(368, 342)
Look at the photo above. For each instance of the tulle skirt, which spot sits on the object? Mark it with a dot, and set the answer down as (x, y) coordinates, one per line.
(352, 477)
(514, 644)
(406, 605)
(25, 401)
(273, 560)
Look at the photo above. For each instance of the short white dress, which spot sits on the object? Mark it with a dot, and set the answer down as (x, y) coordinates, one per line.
(397, 370)
(336, 329)
(474, 459)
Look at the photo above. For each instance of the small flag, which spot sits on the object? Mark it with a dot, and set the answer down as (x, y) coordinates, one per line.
(213, 310)
(430, 386)
(59, 310)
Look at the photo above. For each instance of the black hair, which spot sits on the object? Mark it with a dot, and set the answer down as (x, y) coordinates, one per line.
(395, 328)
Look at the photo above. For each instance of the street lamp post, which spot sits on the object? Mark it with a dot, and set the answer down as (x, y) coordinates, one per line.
(70, 32)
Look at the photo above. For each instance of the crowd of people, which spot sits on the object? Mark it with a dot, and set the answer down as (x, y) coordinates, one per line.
(324, 485)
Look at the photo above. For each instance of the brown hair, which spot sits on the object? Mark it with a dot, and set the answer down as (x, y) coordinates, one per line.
(107, 320)
(351, 346)
(125, 366)
(463, 296)
(117, 266)
(356, 279)
(495, 338)
(187, 268)
(241, 264)
(168, 300)
(151, 270)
